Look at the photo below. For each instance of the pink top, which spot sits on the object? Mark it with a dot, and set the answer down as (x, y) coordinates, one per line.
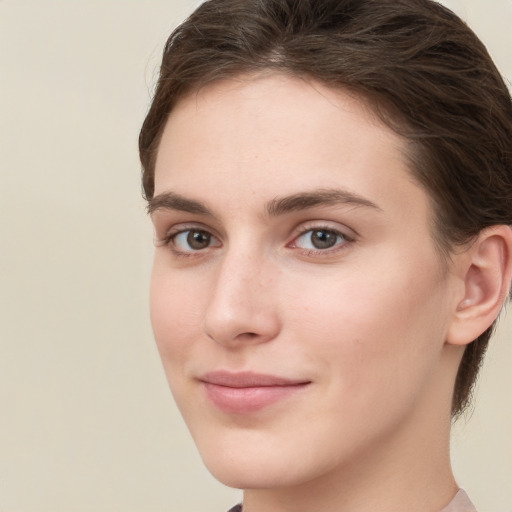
(460, 503)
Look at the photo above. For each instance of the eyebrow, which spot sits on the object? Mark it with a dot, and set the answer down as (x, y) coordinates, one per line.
(315, 198)
(172, 201)
(275, 207)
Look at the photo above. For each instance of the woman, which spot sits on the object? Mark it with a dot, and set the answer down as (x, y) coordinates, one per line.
(330, 184)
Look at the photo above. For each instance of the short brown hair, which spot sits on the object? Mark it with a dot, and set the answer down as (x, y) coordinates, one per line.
(422, 70)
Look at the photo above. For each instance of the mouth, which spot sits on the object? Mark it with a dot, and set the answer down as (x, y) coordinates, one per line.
(247, 392)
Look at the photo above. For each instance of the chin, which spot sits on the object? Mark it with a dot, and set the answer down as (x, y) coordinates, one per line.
(245, 474)
(245, 458)
(262, 460)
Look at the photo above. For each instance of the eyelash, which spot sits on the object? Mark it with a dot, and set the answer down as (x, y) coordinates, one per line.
(170, 240)
(342, 240)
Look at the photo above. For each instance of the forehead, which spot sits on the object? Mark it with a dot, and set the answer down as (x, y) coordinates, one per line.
(266, 98)
(251, 115)
(259, 137)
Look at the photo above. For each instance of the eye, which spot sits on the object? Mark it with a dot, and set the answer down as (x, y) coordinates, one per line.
(320, 239)
(191, 240)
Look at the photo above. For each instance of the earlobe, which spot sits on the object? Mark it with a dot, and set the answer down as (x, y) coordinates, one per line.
(487, 274)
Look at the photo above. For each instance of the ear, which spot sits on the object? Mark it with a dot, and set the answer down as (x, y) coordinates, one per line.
(486, 272)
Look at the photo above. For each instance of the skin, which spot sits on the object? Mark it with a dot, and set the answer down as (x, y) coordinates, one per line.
(364, 322)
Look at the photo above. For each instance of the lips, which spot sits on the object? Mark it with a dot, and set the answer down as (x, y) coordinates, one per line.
(246, 392)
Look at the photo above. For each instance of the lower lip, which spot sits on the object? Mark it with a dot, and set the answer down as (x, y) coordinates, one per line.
(251, 399)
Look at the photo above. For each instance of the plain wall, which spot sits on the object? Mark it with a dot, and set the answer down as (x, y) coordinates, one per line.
(87, 422)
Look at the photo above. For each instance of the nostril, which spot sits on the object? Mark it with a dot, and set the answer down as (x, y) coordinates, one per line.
(247, 336)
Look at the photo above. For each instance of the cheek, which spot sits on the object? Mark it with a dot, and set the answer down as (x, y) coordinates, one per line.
(373, 330)
(176, 315)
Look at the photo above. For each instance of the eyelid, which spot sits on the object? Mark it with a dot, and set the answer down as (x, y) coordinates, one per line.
(342, 229)
(349, 236)
(179, 227)
(170, 234)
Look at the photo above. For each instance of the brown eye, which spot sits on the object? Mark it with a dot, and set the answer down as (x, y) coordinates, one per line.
(323, 239)
(198, 239)
(191, 240)
(320, 239)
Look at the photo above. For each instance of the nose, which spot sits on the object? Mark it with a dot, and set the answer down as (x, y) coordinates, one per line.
(242, 307)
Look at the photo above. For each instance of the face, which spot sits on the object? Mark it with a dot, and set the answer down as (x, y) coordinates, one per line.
(298, 302)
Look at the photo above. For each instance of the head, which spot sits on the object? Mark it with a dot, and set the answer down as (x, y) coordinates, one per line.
(409, 67)
(416, 65)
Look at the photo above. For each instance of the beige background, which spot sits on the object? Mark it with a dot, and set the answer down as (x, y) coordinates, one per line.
(87, 422)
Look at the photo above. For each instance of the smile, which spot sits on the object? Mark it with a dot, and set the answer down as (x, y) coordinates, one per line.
(247, 392)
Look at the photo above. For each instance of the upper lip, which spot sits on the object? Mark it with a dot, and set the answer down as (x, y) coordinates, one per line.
(248, 379)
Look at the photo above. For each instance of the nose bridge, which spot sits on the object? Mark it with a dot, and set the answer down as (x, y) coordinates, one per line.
(241, 306)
